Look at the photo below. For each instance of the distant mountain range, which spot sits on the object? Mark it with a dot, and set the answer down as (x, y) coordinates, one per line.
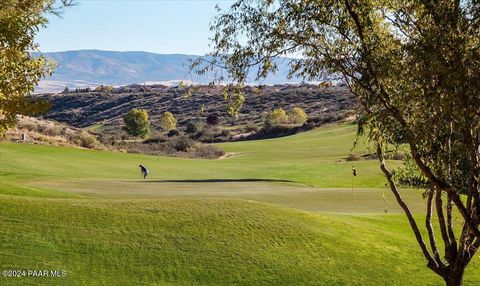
(94, 67)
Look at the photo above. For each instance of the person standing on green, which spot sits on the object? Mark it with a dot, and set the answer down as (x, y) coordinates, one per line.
(144, 171)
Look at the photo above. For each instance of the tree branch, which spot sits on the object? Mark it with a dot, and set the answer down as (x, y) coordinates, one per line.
(450, 245)
(452, 194)
(431, 234)
(451, 233)
(432, 263)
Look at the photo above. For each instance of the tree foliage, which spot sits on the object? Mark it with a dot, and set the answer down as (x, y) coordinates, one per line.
(137, 123)
(235, 98)
(104, 88)
(275, 117)
(296, 115)
(410, 175)
(20, 71)
(413, 65)
(167, 121)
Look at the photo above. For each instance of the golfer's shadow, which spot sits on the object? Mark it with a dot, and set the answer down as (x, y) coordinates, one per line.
(217, 181)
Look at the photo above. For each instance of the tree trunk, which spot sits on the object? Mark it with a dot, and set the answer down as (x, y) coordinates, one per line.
(455, 276)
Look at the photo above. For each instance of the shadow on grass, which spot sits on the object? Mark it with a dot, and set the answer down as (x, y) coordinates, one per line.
(217, 181)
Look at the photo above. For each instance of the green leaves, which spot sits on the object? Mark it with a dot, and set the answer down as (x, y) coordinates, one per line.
(412, 65)
(275, 117)
(410, 175)
(235, 98)
(297, 116)
(20, 71)
(137, 123)
(168, 121)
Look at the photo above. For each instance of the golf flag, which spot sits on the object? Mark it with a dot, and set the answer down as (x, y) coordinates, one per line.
(354, 171)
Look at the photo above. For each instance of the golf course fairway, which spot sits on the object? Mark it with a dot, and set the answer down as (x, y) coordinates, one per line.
(282, 211)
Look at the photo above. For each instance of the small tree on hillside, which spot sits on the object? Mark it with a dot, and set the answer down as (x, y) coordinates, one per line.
(104, 88)
(167, 121)
(275, 117)
(296, 115)
(137, 123)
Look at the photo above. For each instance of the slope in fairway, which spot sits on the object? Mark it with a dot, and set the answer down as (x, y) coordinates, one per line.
(205, 222)
(204, 242)
(305, 171)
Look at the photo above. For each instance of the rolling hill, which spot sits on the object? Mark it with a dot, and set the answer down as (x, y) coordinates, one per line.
(105, 109)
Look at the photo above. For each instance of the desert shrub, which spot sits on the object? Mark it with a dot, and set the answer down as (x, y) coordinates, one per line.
(173, 133)
(85, 139)
(194, 126)
(40, 128)
(251, 127)
(148, 147)
(225, 133)
(297, 116)
(137, 123)
(276, 117)
(155, 140)
(28, 126)
(106, 139)
(167, 121)
(353, 157)
(52, 131)
(206, 135)
(104, 88)
(213, 119)
(208, 152)
(64, 131)
(43, 138)
(179, 146)
(183, 143)
(222, 136)
(273, 132)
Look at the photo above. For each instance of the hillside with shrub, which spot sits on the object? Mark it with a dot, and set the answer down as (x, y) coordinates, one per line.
(32, 130)
(199, 110)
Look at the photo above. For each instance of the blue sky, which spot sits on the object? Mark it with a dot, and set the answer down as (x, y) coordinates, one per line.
(160, 26)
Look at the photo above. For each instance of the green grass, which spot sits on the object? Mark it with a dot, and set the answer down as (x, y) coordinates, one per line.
(204, 242)
(303, 171)
(313, 158)
(281, 212)
(99, 127)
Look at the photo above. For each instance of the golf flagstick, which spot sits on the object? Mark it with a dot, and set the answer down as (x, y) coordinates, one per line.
(354, 174)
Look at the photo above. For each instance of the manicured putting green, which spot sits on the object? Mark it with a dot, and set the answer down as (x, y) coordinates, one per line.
(294, 195)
